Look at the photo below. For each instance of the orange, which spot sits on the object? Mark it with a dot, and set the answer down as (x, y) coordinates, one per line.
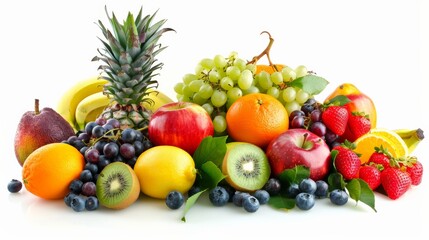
(48, 171)
(256, 118)
(269, 68)
(380, 137)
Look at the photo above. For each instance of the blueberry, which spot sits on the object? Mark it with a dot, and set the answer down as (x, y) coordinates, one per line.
(238, 197)
(174, 200)
(68, 198)
(292, 190)
(91, 203)
(218, 196)
(322, 189)
(308, 185)
(86, 176)
(14, 186)
(194, 189)
(77, 203)
(272, 186)
(76, 186)
(262, 195)
(305, 201)
(230, 190)
(338, 197)
(92, 167)
(250, 204)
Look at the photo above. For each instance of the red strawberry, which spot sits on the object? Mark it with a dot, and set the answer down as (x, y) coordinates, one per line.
(416, 173)
(371, 175)
(335, 118)
(381, 156)
(395, 182)
(346, 162)
(357, 125)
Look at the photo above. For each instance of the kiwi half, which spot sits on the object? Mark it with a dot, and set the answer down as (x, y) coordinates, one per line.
(117, 186)
(246, 167)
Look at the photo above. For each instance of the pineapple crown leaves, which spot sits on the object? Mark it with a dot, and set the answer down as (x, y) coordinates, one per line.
(129, 56)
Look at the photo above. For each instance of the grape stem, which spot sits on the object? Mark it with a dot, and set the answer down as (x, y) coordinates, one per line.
(266, 52)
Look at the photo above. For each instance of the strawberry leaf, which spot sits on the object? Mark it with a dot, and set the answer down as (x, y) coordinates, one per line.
(281, 202)
(360, 191)
(311, 84)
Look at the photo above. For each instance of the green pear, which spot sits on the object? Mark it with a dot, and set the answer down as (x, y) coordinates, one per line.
(37, 128)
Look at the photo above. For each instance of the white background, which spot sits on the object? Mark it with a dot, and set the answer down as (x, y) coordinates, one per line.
(380, 46)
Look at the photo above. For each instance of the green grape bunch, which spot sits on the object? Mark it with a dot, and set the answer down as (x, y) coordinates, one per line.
(218, 82)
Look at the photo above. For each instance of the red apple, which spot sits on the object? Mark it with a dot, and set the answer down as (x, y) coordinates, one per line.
(299, 146)
(180, 124)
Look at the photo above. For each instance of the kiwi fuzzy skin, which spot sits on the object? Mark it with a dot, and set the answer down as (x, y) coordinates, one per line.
(129, 197)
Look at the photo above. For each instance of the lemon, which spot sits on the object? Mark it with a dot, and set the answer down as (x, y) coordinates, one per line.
(162, 169)
(380, 137)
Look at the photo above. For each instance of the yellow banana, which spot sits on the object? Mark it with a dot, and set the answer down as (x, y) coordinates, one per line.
(72, 97)
(158, 98)
(411, 137)
(93, 105)
(90, 108)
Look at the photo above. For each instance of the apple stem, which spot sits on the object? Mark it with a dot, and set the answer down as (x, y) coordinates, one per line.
(36, 106)
(306, 144)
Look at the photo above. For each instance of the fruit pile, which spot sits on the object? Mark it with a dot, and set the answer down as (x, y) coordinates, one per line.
(240, 132)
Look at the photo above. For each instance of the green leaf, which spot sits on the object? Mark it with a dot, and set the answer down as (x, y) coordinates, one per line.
(360, 191)
(211, 149)
(190, 202)
(294, 175)
(211, 175)
(336, 181)
(281, 202)
(311, 84)
(339, 100)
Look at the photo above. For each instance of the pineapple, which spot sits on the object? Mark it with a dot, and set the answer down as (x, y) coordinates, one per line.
(129, 66)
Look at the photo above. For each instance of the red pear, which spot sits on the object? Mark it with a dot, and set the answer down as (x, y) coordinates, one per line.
(37, 128)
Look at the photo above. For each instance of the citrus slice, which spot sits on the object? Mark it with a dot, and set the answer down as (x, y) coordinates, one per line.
(365, 145)
(400, 146)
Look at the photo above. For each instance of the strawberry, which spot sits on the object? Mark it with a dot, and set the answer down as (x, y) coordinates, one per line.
(335, 118)
(395, 182)
(416, 173)
(357, 125)
(381, 156)
(346, 161)
(371, 175)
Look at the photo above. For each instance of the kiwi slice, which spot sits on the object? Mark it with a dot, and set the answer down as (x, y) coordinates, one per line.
(117, 186)
(246, 167)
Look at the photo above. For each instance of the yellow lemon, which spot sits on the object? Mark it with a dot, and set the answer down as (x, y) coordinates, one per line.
(162, 169)
(379, 137)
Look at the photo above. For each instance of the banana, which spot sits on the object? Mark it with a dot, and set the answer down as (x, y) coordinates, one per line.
(90, 108)
(158, 98)
(412, 137)
(72, 97)
(93, 105)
